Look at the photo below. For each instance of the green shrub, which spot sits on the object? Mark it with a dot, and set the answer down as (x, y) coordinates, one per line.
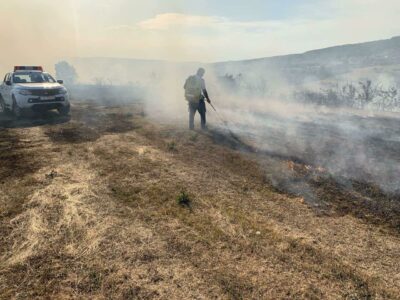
(183, 199)
(193, 137)
(171, 146)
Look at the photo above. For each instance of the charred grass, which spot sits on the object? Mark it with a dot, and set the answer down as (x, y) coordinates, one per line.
(90, 123)
(15, 162)
(117, 224)
(221, 227)
(335, 196)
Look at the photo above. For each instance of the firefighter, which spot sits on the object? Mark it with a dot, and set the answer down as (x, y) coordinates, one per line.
(196, 94)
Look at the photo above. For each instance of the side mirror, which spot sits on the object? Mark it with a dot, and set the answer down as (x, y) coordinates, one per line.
(8, 82)
(60, 81)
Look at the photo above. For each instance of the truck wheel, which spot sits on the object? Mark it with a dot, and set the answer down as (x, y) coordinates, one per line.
(64, 110)
(17, 111)
(2, 106)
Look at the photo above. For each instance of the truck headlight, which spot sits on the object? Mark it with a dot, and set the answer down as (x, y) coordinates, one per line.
(62, 91)
(25, 92)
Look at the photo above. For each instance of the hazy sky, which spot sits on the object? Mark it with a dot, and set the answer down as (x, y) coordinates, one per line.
(42, 31)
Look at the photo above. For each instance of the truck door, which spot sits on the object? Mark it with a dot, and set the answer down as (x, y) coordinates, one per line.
(2, 84)
(6, 90)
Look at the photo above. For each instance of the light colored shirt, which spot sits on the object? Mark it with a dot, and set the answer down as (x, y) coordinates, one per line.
(203, 82)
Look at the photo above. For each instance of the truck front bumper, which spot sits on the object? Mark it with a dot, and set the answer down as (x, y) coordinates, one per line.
(36, 103)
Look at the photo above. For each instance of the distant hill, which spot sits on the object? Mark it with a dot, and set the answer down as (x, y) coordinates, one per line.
(323, 63)
(371, 58)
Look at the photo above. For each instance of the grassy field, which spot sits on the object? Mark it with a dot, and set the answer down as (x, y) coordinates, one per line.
(111, 205)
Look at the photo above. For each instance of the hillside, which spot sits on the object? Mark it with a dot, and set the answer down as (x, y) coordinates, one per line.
(313, 65)
(323, 63)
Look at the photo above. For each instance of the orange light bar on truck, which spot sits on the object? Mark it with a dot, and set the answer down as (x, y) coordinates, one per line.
(25, 68)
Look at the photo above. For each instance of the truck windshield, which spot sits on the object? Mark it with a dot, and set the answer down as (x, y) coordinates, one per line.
(32, 77)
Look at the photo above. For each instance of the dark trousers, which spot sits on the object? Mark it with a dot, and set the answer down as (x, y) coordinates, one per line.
(201, 108)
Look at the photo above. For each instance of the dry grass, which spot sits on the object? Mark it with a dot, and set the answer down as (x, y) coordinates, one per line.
(92, 212)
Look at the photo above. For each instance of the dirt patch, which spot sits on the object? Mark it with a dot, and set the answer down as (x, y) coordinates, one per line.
(15, 161)
(73, 134)
(90, 124)
(33, 120)
(118, 123)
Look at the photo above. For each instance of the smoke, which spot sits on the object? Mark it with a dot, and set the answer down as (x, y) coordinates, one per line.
(35, 34)
(257, 98)
(348, 144)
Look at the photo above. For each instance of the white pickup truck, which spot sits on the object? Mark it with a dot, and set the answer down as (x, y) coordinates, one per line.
(31, 89)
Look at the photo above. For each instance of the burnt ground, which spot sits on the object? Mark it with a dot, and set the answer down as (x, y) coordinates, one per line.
(89, 209)
(348, 145)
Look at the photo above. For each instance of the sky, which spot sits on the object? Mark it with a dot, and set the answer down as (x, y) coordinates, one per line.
(45, 31)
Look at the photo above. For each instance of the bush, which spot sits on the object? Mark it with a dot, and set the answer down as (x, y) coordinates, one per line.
(171, 146)
(365, 94)
(183, 199)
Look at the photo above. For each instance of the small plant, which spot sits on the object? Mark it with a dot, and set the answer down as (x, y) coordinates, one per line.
(128, 115)
(193, 137)
(183, 199)
(171, 146)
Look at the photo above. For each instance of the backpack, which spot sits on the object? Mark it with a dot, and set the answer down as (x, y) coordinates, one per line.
(193, 88)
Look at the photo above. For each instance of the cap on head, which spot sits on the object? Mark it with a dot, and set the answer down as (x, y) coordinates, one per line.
(201, 71)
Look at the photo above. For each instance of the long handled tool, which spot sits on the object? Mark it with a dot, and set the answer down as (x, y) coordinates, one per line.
(223, 121)
(219, 116)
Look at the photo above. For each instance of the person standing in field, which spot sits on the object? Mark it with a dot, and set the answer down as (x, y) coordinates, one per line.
(195, 94)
